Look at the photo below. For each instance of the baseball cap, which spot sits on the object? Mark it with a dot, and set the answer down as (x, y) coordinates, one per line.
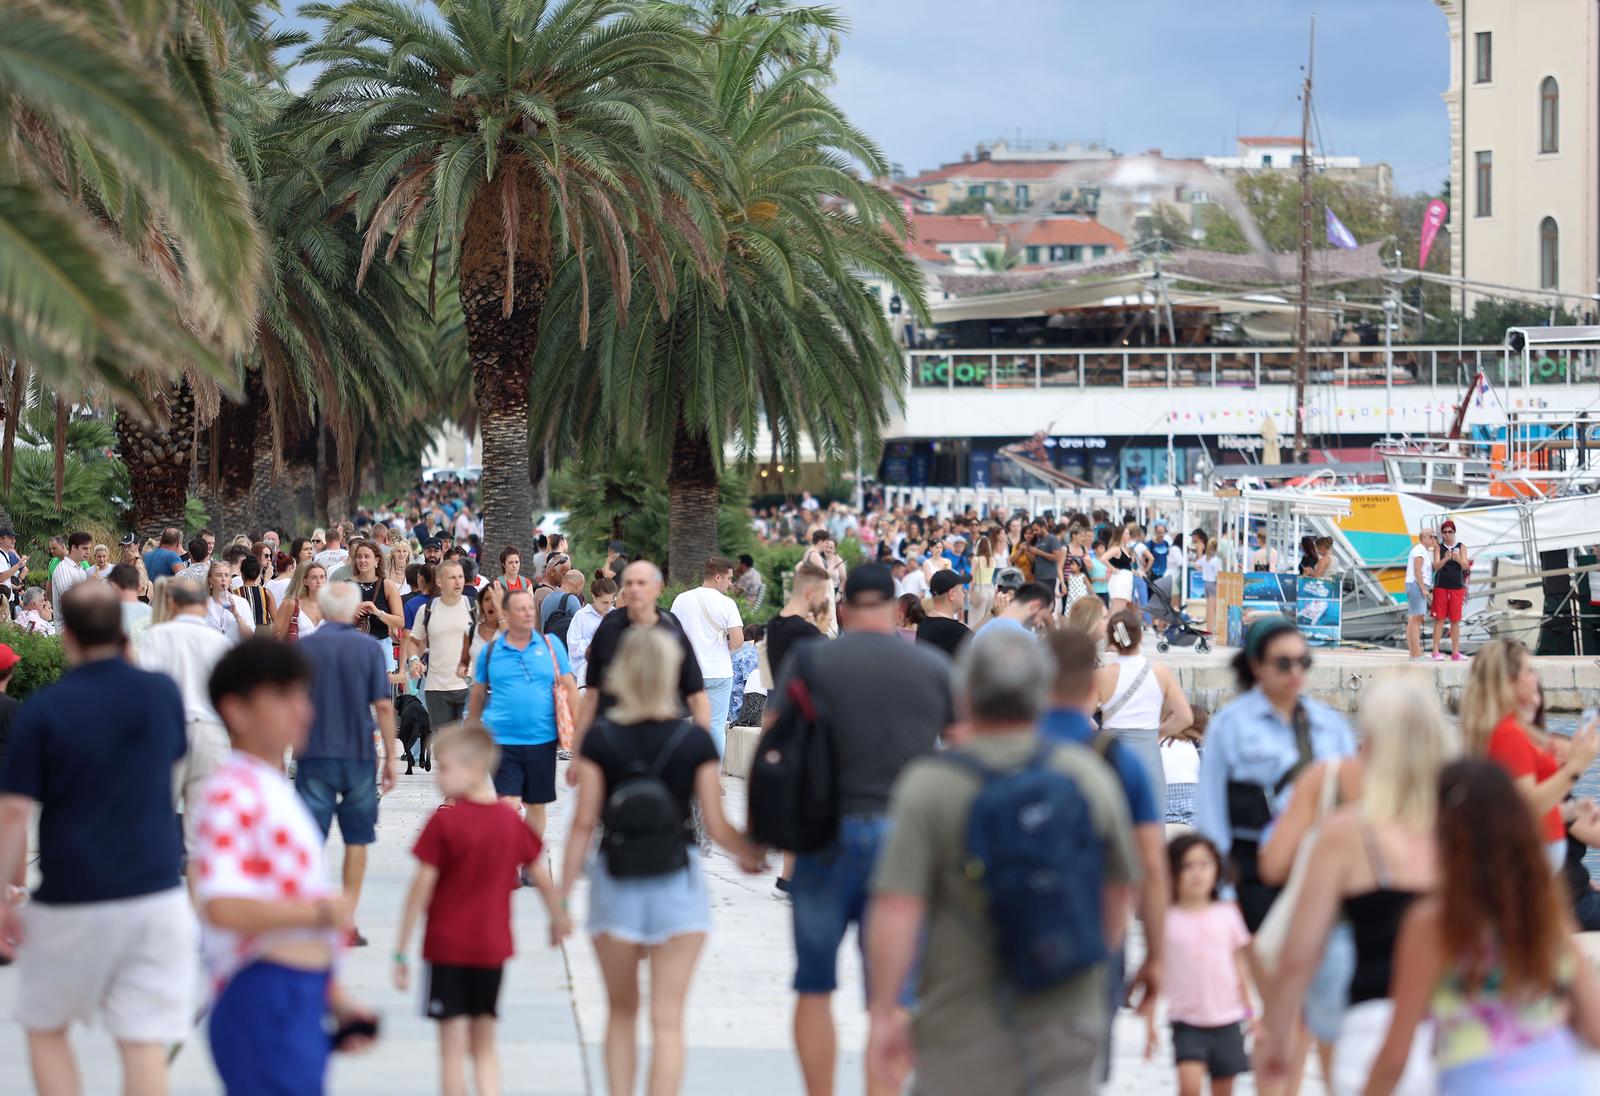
(868, 584)
(432, 542)
(945, 581)
(8, 532)
(8, 658)
(1008, 578)
(127, 538)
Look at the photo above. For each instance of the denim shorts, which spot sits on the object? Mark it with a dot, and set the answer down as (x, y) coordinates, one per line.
(651, 910)
(829, 892)
(1416, 603)
(342, 786)
(1329, 993)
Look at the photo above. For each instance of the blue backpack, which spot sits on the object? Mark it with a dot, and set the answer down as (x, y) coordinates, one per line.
(1032, 847)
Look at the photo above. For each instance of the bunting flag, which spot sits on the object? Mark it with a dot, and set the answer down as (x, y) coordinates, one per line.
(1338, 234)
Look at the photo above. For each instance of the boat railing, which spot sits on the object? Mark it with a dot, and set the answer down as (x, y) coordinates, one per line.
(1238, 367)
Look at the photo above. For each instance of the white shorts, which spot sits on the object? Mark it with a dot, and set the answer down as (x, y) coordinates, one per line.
(1361, 1034)
(1119, 586)
(133, 961)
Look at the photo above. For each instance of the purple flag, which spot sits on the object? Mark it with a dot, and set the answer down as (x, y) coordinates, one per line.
(1338, 235)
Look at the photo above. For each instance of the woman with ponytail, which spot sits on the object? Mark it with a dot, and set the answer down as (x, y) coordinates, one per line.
(1140, 702)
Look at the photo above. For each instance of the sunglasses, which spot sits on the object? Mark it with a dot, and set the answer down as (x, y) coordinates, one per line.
(1283, 663)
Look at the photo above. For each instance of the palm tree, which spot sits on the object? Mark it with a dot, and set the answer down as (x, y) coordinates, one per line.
(117, 214)
(788, 342)
(503, 135)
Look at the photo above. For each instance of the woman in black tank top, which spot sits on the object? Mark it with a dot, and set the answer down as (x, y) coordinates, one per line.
(380, 597)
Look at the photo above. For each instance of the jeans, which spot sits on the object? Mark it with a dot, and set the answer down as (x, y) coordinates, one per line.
(719, 690)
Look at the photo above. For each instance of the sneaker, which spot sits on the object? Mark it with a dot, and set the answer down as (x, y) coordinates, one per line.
(564, 755)
(780, 890)
(1437, 657)
(354, 939)
(1456, 656)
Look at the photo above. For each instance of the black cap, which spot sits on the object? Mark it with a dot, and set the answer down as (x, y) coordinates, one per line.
(945, 581)
(617, 547)
(868, 584)
(8, 532)
(432, 542)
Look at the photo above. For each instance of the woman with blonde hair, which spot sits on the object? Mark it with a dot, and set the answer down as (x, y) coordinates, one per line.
(100, 561)
(131, 556)
(160, 603)
(1370, 861)
(1498, 710)
(395, 564)
(1088, 615)
(647, 892)
(981, 592)
(301, 614)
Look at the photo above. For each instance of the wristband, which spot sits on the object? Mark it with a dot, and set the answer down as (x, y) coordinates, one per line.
(400, 958)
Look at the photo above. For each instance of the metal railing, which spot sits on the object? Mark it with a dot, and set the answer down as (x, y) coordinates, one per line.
(1238, 367)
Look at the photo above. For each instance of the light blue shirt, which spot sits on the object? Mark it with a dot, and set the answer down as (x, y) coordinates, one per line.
(521, 709)
(1004, 624)
(582, 629)
(1249, 742)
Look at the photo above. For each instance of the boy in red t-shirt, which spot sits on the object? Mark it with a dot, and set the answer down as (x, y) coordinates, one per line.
(470, 858)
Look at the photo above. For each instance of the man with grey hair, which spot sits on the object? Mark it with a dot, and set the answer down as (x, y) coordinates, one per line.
(186, 649)
(34, 612)
(888, 701)
(961, 1041)
(334, 772)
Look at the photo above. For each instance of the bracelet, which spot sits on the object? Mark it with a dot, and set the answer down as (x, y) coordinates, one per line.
(400, 958)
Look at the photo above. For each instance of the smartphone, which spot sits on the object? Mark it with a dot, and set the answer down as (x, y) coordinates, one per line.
(359, 1027)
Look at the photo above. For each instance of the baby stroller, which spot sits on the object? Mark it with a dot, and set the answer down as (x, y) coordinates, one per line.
(1172, 626)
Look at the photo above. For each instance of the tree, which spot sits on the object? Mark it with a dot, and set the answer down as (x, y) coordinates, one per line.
(508, 135)
(117, 213)
(787, 339)
(998, 260)
(1273, 199)
(973, 203)
(1164, 229)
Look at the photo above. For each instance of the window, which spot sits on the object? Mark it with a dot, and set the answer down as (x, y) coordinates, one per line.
(1549, 115)
(1033, 254)
(1485, 69)
(1484, 184)
(1266, 159)
(1022, 195)
(1549, 253)
(978, 190)
(1074, 253)
(1294, 161)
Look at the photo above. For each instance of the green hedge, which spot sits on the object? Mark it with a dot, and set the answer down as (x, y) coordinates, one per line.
(43, 660)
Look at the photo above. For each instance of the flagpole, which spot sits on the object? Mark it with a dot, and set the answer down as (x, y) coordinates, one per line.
(1302, 367)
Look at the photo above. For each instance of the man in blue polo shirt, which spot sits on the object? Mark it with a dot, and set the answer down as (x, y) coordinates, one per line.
(1074, 699)
(336, 771)
(513, 693)
(110, 933)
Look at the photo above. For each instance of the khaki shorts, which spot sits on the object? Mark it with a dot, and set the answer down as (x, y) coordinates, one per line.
(133, 962)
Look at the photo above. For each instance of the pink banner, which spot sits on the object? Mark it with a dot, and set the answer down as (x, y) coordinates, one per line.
(1432, 221)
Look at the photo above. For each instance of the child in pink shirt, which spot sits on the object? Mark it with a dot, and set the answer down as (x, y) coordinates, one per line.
(1207, 978)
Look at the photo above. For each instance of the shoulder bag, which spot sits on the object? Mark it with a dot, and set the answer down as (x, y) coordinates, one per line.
(1274, 931)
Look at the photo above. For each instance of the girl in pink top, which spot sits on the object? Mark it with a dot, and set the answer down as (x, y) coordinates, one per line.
(1207, 979)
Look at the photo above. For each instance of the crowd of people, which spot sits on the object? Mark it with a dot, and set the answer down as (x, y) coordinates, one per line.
(1009, 785)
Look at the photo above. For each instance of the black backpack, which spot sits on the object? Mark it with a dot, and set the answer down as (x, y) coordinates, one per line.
(560, 618)
(643, 828)
(794, 781)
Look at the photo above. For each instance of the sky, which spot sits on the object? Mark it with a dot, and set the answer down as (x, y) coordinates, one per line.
(928, 79)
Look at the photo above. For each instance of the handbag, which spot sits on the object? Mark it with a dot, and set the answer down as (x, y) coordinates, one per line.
(564, 724)
(1274, 931)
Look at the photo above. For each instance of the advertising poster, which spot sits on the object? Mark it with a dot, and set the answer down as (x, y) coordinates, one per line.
(1318, 609)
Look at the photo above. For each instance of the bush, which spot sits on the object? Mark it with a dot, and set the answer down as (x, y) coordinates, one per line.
(43, 660)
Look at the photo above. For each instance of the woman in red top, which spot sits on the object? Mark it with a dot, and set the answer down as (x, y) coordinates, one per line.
(1497, 721)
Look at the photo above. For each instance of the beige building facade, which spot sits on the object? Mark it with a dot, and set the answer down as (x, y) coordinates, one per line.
(1524, 102)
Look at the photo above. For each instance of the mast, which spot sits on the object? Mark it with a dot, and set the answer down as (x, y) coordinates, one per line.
(1302, 328)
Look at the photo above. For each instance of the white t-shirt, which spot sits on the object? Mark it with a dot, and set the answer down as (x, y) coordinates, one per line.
(1419, 551)
(1210, 568)
(915, 582)
(67, 575)
(706, 616)
(1180, 762)
(279, 587)
(331, 558)
(444, 627)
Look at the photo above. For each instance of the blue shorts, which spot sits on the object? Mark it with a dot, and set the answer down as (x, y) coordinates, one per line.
(348, 788)
(829, 892)
(266, 1031)
(527, 773)
(1416, 602)
(649, 910)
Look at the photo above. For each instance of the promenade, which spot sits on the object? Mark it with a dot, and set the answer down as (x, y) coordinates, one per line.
(553, 1005)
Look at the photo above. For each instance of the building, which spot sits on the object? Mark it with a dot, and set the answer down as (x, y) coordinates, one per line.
(1523, 104)
(1257, 154)
(1017, 175)
(962, 240)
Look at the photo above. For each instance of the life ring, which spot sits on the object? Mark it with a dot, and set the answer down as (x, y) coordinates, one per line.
(1546, 367)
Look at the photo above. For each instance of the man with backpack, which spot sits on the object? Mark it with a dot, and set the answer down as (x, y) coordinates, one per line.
(1074, 699)
(886, 703)
(1014, 855)
(561, 606)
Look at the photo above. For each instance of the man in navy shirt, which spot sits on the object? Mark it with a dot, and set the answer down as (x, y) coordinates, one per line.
(335, 772)
(1070, 718)
(110, 933)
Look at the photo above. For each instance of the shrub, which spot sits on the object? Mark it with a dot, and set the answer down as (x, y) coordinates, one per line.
(43, 660)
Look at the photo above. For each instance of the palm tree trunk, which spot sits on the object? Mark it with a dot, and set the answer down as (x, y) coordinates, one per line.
(232, 445)
(501, 341)
(693, 500)
(14, 409)
(281, 493)
(157, 455)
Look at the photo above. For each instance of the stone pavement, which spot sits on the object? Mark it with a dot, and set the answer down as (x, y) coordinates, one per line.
(553, 1003)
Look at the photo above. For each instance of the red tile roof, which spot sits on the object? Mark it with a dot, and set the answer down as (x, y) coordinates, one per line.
(926, 252)
(1025, 170)
(974, 228)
